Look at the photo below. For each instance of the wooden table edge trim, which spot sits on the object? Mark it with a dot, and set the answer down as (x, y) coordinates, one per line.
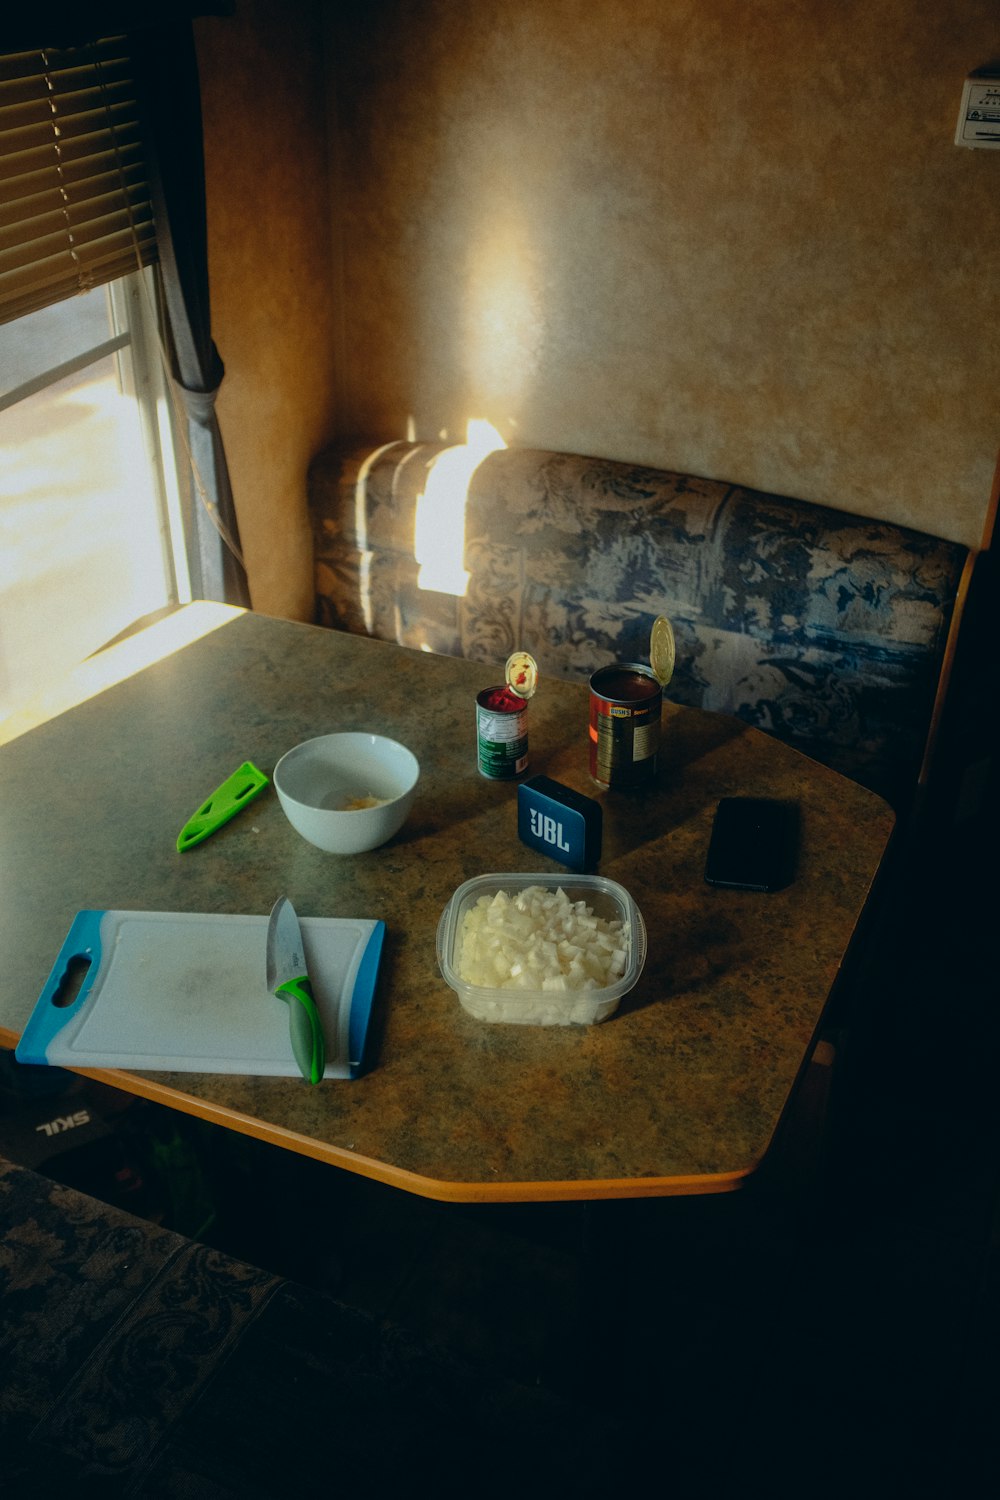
(442, 1191)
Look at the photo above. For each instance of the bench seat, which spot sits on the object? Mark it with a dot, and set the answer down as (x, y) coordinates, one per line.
(826, 629)
(136, 1361)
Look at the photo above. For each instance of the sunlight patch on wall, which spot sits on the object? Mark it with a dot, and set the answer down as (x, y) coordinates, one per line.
(504, 320)
(439, 528)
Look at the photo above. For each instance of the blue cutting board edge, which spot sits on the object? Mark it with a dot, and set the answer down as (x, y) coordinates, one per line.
(204, 1005)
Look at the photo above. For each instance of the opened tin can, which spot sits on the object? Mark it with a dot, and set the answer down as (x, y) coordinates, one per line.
(625, 704)
(502, 721)
(626, 700)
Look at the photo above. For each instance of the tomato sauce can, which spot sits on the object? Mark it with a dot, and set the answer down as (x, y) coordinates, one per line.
(502, 720)
(501, 734)
(625, 705)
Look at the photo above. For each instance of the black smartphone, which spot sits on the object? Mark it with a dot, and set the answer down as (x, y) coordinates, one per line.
(753, 844)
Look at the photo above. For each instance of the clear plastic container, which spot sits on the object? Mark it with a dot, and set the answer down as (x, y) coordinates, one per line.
(582, 1007)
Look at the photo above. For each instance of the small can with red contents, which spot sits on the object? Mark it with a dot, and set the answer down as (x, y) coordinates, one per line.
(502, 721)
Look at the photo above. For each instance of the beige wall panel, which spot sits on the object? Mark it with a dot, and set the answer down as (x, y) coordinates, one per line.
(729, 238)
(263, 89)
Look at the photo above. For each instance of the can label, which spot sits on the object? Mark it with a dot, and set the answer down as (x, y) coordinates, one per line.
(501, 734)
(625, 707)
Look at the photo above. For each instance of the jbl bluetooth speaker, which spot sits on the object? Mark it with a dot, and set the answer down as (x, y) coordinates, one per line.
(559, 822)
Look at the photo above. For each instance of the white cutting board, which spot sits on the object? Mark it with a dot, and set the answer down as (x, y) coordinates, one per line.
(186, 992)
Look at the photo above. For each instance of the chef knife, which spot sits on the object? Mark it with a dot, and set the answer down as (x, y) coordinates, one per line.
(288, 979)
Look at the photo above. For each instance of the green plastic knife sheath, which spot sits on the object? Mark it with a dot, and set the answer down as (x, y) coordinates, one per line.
(304, 1028)
(225, 802)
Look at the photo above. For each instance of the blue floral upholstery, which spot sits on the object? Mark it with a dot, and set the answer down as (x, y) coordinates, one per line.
(823, 628)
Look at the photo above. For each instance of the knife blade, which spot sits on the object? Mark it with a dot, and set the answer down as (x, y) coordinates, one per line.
(288, 978)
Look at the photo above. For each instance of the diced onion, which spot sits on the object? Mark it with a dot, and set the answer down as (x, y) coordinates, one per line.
(539, 940)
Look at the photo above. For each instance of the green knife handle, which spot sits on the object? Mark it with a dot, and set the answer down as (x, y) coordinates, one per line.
(304, 1027)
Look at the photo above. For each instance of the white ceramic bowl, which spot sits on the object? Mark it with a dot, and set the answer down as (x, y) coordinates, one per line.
(318, 780)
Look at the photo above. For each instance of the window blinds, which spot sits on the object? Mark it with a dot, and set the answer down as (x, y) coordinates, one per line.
(74, 202)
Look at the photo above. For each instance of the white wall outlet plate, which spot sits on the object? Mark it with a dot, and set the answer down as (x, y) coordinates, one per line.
(979, 116)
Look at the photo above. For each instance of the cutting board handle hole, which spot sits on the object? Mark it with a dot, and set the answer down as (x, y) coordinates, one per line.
(70, 984)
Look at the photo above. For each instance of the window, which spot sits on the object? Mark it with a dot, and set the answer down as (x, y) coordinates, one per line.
(91, 134)
(91, 539)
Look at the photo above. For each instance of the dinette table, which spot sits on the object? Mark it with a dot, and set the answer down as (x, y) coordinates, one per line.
(681, 1091)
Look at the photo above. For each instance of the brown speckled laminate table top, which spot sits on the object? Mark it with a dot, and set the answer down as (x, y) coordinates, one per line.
(680, 1091)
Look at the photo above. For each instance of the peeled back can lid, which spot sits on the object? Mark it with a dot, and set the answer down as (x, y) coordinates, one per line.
(521, 673)
(661, 650)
